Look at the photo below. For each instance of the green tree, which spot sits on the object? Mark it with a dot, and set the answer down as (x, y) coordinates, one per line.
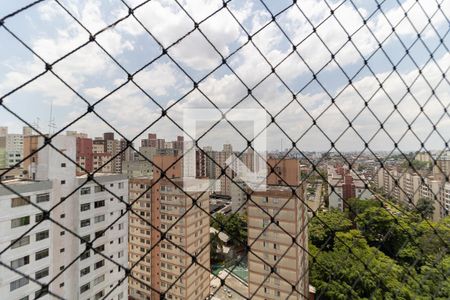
(218, 220)
(382, 230)
(234, 225)
(362, 274)
(357, 206)
(435, 280)
(425, 207)
(324, 226)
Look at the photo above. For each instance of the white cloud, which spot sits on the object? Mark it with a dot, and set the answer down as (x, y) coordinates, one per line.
(90, 71)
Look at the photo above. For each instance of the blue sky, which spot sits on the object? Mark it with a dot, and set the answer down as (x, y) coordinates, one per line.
(51, 33)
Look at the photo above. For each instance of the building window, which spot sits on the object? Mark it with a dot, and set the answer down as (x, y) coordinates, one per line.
(121, 185)
(100, 203)
(98, 219)
(63, 182)
(85, 255)
(86, 222)
(85, 190)
(100, 248)
(85, 239)
(99, 234)
(62, 233)
(42, 198)
(18, 284)
(99, 295)
(25, 298)
(20, 201)
(22, 242)
(41, 254)
(20, 222)
(61, 284)
(17, 263)
(85, 271)
(99, 188)
(42, 235)
(63, 165)
(39, 217)
(85, 206)
(61, 250)
(99, 279)
(42, 273)
(99, 264)
(85, 287)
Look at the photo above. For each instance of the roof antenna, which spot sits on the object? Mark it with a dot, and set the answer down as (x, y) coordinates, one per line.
(51, 121)
(35, 126)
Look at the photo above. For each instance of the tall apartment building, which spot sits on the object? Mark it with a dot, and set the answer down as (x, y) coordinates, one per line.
(2, 152)
(442, 169)
(13, 152)
(30, 254)
(127, 153)
(137, 168)
(85, 154)
(87, 209)
(113, 147)
(273, 249)
(446, 197)
(140, 238)
(209, 163)
(285, 171)
(3, 130)
(30, 147)
(166, 205)
(187, 233)
(238, 196)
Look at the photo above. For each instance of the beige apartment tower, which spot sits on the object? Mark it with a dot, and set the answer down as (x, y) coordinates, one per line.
(186, 230)
(140, 238)
(274, 248)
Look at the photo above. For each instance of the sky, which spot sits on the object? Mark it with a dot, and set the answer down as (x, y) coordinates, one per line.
(324, 104)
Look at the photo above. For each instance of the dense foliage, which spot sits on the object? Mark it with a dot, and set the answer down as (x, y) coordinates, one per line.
(376, 254)
(234, 225)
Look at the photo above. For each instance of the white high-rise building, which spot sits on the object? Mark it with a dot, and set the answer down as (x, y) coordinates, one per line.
(79, 208)
(14, 149)
(24, 246)
(13, 145)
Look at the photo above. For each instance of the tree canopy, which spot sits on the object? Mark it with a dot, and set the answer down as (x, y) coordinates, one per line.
(377, 255)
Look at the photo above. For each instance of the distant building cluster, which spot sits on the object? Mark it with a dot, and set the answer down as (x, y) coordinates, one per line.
(344, 184)
(407, 184)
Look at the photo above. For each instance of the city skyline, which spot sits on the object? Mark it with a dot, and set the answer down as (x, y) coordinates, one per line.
(129, 110)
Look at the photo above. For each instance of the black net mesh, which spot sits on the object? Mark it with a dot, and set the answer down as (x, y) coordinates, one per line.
(356, 93)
